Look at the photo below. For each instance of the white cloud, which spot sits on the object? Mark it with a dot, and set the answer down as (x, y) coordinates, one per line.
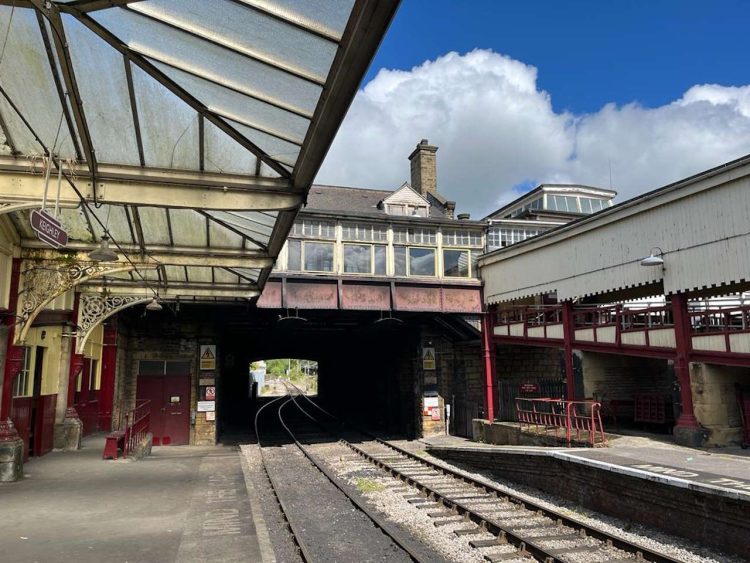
(496, 130)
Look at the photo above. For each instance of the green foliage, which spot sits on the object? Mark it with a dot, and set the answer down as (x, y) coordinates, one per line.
(369, 486)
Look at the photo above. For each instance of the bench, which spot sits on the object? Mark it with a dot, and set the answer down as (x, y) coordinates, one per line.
(114, 443)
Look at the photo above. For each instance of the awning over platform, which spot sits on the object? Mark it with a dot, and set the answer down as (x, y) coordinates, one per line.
(189, 131)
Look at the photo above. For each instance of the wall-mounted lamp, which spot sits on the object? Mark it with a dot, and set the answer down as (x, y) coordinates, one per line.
(654, 258)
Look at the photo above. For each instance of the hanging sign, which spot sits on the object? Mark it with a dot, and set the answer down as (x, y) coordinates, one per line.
(48, 229)
(428, 358)
(208, 356)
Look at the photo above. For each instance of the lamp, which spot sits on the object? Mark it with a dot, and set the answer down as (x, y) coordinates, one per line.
(154, 305)
(104, 253)
(653, 259)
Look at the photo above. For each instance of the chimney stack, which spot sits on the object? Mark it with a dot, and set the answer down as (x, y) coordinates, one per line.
(424, 168)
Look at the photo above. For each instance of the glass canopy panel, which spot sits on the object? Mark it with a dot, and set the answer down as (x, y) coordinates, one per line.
(175, 273)
(170, 127)
(221, 237)
(76, 224)
(117, 221)
(327, 16)
(234, 105)
(16, 135)
(219, 64)
(103, 87)
(154, 225)
(196, 274)
(255, 224)
(277, 149)
(188, 227)
(223, 154)
(223, 276)
(32, 88)
(251, 274)
(247, 31)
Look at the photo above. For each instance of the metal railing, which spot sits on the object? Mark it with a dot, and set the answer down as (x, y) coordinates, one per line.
(565, 420)
(137, 425)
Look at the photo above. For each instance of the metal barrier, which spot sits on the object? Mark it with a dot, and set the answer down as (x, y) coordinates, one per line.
(137, 425)
(568, 420)
(131, 429)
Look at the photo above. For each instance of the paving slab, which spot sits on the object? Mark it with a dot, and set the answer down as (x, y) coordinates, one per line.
(182, 503)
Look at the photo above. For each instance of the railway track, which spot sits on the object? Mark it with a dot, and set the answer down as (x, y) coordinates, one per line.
(518, 527)
(310, 497)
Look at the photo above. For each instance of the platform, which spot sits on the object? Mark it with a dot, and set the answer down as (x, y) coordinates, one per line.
(722, 471)
(183, 503)
(696, 493)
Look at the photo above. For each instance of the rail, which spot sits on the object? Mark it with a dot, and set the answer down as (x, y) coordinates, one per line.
(568, 420)
(137, 425)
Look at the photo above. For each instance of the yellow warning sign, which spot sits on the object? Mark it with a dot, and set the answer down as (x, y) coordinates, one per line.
(428, 358)
(208, 356)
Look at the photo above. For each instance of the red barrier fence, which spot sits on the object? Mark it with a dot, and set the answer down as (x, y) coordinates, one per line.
(567, 420)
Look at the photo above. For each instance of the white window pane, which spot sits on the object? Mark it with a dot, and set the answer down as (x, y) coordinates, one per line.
(357, 259)
(421, 261)
(318, 257)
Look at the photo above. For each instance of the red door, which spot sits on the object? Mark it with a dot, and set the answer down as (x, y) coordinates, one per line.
(170, 407)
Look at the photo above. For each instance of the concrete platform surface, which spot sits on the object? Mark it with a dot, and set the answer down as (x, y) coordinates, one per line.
(724, 471)
(180, 504)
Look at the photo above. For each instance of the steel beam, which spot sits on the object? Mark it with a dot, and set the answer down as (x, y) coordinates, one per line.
(52, 14)
(174, 290)
(21, 188)
(164, 255)
(366, 28)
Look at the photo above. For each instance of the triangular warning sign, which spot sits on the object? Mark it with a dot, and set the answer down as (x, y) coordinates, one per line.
(428, 355)
(207, 355)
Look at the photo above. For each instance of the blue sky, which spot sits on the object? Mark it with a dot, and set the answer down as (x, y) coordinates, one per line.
(520, 93)
(588, 52)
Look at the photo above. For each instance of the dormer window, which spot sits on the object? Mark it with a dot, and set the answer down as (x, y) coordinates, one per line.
(405, 202)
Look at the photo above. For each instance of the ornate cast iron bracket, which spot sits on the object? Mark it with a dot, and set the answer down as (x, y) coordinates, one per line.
(93, 308)
(44, 280)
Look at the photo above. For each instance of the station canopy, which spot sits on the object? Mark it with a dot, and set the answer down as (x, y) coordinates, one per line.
(188, 131)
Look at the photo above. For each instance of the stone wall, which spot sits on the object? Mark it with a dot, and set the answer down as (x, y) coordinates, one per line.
(715, 401)
(458, 378)
(162, 342)
(526, 363)
(709, 518)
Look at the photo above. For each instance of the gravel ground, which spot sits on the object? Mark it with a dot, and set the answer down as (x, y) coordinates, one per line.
(680, 548)
(281, 540)
(331, 527)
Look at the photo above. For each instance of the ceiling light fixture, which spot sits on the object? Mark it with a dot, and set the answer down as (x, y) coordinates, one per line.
(104, 253)
(154, 305)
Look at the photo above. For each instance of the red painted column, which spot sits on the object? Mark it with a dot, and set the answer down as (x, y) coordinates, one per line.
(14, 354)
(488, 352)
(683, 349)
(568, 334)
(109, 364)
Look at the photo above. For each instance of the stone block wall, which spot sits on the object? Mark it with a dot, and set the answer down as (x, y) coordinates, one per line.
(715, 401)
(616, 377)
(526, 363)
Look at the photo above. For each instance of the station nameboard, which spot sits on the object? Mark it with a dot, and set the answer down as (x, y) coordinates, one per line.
(48, 229)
